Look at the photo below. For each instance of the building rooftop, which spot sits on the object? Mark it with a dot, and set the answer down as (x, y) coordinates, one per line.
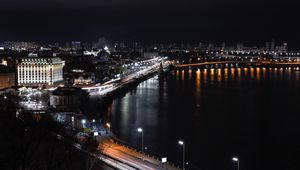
(65, 91)
(41, 60)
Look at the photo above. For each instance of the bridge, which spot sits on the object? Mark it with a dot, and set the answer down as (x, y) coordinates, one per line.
(236, 62)
(103, 89)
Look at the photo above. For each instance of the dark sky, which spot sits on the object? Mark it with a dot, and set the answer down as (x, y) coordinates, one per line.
(253, 21)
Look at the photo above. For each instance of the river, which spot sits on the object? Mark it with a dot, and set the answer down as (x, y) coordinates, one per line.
(251, 113)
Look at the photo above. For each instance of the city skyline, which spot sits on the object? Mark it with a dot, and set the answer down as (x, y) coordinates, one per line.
(149, 84)
(252, 22)
(102, 43)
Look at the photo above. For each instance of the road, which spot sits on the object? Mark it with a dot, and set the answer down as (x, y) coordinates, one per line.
(233, 62)
(107, 160)
(102, 90)
(132, 157)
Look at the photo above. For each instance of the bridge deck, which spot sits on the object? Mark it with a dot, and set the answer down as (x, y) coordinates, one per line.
(237, 62)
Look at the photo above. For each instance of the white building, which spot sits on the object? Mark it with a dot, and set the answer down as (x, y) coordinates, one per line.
(38, 71)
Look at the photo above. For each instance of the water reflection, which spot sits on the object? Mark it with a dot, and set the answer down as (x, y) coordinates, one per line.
(245, 71)
(257, 73)
(204, 75)
(212, 74)
(219, 75)
(252, 72)
(264, 72)
(232, 71)
(190, 73)
(205, 106)
(198, 82)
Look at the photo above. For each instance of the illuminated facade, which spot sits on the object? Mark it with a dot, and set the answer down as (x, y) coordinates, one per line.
(38, 71)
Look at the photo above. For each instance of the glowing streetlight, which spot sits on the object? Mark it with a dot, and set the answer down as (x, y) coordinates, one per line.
(83, 121)
(183, 153)
(108, 125)
(140, 130)
(236, 159)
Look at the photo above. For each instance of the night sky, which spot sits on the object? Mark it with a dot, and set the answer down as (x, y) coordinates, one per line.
(250, 21)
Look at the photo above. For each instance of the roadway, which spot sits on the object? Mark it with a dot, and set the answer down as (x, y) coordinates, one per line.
(106, 159)
(211, 62)
(106, 88)
(132, 157)
(237, 62)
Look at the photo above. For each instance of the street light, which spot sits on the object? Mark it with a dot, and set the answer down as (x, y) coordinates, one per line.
(83, 121)
(236, 159)
(140, 130)
(183, 153)
(108, 125)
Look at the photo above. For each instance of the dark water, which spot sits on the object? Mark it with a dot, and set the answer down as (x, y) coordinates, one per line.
(251, 113)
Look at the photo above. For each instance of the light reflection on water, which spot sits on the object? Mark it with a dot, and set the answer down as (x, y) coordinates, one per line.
(218, 111)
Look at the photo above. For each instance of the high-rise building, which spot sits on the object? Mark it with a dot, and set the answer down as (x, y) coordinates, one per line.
(267, 46)
(285, 47)
(223, 46)
(272, 48)
(240, 46)
(282, 48)
(38, 71)
(76, 45)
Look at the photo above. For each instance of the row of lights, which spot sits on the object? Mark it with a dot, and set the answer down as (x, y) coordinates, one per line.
(164, 160)
(181, 143)
(146, 61)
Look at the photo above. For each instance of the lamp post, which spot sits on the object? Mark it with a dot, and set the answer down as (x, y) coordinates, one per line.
(83, 121)
(140, 130)
(108, 125)
(183, 153)
(236, 159)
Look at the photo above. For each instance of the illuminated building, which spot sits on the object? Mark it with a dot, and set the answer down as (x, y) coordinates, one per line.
(38, 71)
(65, 98)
